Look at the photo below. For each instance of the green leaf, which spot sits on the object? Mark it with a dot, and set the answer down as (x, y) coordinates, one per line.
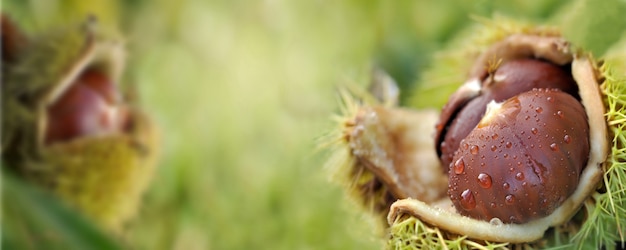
(34, 219)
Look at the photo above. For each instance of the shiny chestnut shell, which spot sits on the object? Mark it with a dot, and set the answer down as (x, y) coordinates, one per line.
(509, 79)
(523, 159)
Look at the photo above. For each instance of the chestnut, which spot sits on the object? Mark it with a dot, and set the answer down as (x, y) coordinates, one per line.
(523, 159)
(508, 147)
(511, 78)
(66, 127)
(90, 106)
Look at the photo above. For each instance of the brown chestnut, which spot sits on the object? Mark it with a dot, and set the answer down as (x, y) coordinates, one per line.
(12, 39)
(510, 79)
(523, 159)
(90, 106)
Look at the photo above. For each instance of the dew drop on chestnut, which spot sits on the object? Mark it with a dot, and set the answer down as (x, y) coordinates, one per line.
(467, 200)
(554, 147)
(459, 166)
(534, 131)
(519, 176)
(560, 114)
(567, 139)
(474, 150)
(509, 199)
(484, 180)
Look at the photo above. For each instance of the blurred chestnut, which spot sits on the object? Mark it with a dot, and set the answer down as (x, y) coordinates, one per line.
(90, 106)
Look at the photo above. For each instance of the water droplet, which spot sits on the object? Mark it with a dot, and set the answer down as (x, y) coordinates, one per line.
(534, 131)
(554, 147)
(550, 99)
(560, 114)
(505, 155)
(467, 200)
(496, 222)
(519, 176)
(508, 144)
(509, 199)
(474, 149)
(493, 205)
(567, 139)
(524, 184)
(506, 185)
(493, 148)
(539, 110)
(484, 180)
(527, 117)
(494, 136)
(459, 166)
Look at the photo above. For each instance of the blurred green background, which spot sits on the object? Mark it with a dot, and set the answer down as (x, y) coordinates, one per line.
(241, 90)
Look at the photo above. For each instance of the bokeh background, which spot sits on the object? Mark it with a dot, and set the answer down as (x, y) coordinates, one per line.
(242, 91)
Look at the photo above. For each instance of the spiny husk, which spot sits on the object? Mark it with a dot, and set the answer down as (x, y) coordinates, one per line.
(102, 176)
(600, 223)
(606, 220)
(361, 184)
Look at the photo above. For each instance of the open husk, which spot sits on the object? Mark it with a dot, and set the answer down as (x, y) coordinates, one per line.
(102, 176)
(381, 164)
